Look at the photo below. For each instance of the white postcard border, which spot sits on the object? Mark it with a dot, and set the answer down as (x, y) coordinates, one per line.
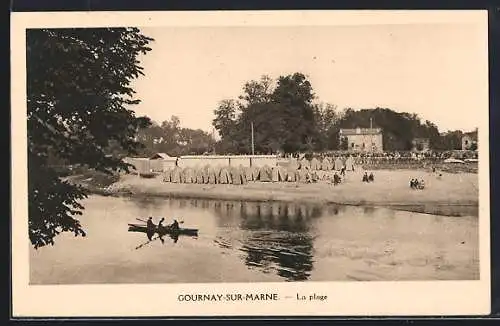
(344, 298)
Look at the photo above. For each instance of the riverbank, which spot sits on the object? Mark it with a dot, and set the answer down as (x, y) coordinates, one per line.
(451, 195)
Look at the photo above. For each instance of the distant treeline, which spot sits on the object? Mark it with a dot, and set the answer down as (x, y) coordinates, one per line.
(169, 137)
(286, 119)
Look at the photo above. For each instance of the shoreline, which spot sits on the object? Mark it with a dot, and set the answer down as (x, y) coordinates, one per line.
(432, 208)
(449, 197)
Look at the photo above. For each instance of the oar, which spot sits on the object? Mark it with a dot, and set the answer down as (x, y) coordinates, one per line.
(141, 220)
(147, 242)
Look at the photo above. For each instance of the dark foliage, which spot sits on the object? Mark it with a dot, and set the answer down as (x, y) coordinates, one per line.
(286, 119)
(78, 89)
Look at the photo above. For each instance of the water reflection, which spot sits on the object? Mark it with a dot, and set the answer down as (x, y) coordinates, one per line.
(262, 242)
(290, 255)
(368, 210)
(174, 237)
(275, 235)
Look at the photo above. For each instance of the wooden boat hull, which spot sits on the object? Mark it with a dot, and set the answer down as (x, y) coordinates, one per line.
(163, 230)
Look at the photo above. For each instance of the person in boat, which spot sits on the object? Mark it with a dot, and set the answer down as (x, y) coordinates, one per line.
(371, 178)
(151, 228)
(174, 226)
(160, 224)
(150, 223)
(159, 230)
(365, 177)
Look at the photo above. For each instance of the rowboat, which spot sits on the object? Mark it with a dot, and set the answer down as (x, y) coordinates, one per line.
(163, 230)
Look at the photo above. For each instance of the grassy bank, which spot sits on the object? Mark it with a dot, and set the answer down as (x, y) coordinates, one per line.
(452, 194)
(93, 181)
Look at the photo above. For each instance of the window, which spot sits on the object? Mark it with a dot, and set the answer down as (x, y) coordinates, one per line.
(352, 145)
(466, 142)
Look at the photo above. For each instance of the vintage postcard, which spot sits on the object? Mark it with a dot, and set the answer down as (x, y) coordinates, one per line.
(299, 163)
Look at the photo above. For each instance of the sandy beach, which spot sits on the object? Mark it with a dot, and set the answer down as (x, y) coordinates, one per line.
(452, 194)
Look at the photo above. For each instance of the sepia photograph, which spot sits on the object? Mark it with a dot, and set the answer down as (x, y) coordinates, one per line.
(169, 153)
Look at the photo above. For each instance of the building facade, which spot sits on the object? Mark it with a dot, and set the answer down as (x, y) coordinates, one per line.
(362, 139)
(469, 141)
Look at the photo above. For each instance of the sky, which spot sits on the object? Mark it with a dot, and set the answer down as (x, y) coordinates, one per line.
(432, 70)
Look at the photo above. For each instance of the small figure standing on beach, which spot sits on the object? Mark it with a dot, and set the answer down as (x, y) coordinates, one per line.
(336, 179)
(365, 177)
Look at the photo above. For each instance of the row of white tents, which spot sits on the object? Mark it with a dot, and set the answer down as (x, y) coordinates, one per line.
(238, 175)
(325, 164)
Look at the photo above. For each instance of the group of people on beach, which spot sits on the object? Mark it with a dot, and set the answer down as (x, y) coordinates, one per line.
(368, 178)
(337, 179)
(417, 184)
(390, 155)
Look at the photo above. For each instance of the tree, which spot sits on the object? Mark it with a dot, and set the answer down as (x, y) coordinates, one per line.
(171, 138)
(255, 92)
(195, 141)
(283, 117)
(170, 130)
(269, 132)
(78, 91)
(293, 90)
(225, 117)
(151, 137)
(294, 94)
(326, 123)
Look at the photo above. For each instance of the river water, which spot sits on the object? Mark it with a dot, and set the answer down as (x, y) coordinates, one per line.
(259, 242)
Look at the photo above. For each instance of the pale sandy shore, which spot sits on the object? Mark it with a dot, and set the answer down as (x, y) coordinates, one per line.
(452, 194)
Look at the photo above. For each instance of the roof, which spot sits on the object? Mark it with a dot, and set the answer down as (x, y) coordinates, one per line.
(160, 156)
(361, 131)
